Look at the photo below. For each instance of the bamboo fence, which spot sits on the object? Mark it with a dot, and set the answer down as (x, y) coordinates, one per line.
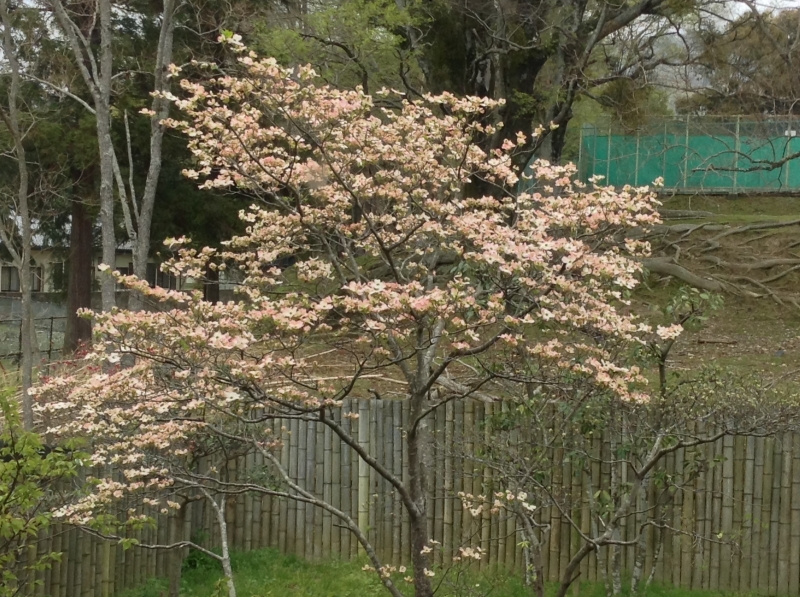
(752, 497)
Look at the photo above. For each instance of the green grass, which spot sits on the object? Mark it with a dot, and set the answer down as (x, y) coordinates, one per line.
(267, 573)
(767, 207)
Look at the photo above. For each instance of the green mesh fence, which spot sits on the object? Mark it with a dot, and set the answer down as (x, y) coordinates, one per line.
(721, 156)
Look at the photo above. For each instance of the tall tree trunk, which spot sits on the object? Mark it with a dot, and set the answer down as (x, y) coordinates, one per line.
(96, 73)
(79, 278)
(211, 286)
(103, 117)
(160, 108)
(20, 255)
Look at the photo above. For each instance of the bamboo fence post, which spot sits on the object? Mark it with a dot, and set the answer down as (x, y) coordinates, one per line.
(447, 516)
(236, 508)
(700, 546)
(86, 576)
(375, 450)
(333, 472)
(774, 516)
(397, 471)
(304, 476)
(387, 490)
(363, 469)
(687, 525)
(249, 515)
(716, 518)
(726, 553)
(315, 516)
(405, 544)
(293, 512)
(468, 470)
(677, 539)
(555, 517)
(595, 574)
(784, 533)
(485, 489)
(794, 553)
(379, 486)
(284, 506)
(758, 496)
(748, 471)
(665, 572)
(347, 480)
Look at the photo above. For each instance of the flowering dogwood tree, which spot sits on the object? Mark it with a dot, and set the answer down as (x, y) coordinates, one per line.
(382, 245)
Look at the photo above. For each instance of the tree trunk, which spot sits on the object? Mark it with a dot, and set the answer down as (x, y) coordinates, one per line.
(211, 286)
(103, 117)
(79, 278)
(27, 332)
(160, 107)
(20, 255)
(177, 522)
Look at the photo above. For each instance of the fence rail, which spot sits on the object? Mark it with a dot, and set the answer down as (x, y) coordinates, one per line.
(753, 496)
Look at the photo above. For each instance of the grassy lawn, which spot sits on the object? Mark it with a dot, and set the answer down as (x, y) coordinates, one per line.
(266, 573)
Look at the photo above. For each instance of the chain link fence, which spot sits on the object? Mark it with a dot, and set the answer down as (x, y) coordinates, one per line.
(49, 336)
(709, 154)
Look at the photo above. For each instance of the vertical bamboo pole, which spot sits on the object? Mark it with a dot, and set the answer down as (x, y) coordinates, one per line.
(315, 517)
(748, 489)
(469, 469)
(447, 494)
(758, 496)
(595, 573)
(249, 464)
(363, 468)
(784, 532)
(794, 553)
(387, 492)
(774, 515)
(375, 448)
(333, 479)
(260, 516)
(405, 544)
(716, 517)
(292, 453)
(687, 526)
(700, 548)
(397, 471)
(304, 454)
(458, 471)
(283, 505)
(485, 489)
(726, 553)
(347, 479)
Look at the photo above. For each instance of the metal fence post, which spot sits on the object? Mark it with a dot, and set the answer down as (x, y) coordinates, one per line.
(664, 155)
(686, 155)
(737, 146)
(788, 151)
(50, 342)
(636, 162)
(608, 157)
